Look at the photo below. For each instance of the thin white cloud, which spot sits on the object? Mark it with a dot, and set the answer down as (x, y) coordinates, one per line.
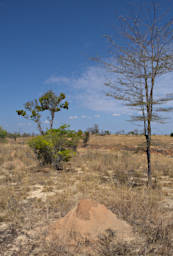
(24, 124)
(97, 116)
(90, 91)
(115, 114)
(57, 80)
(46, 121)
(89, 88)
(73, 117)
(83, 116)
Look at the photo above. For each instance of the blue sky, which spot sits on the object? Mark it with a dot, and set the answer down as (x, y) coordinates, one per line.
(47, 44)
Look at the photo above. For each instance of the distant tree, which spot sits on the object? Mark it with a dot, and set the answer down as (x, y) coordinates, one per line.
(48, 101)
(144, 54)
(120, 132)
(26, 134)
(94, 129)
(53, 103)
(134, 132)
(105, 132)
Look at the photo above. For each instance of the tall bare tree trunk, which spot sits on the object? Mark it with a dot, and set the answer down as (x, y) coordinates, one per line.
(148, 151)
(39, 128)
(52, 119)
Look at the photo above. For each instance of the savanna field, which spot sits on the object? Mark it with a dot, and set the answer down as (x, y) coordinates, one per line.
(111, 170)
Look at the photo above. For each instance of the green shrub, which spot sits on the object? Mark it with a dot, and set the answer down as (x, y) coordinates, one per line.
(56, 146)
(80, 132)
(3, 133)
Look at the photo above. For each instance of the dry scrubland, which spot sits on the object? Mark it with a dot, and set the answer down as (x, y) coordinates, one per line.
(111, 170)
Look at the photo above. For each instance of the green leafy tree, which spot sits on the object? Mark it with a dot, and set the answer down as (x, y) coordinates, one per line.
(48, 101)
(32, 111)
(53, 103)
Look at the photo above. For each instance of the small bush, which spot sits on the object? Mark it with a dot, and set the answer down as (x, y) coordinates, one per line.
(171, 134)
(56, 146)
(3, 133)
(80, 132)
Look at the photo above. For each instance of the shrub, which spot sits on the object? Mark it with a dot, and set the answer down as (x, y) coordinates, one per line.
(3, 133)
(171, 134)
(80, 132)
(56, 146)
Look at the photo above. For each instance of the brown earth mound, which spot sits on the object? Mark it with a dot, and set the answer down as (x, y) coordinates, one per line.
(86, 221)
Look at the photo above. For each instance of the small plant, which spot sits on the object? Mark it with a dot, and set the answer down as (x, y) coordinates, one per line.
(56, 146)
(171, 134)
(3, 133)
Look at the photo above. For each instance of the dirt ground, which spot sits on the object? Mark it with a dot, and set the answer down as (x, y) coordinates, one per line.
(110, 170)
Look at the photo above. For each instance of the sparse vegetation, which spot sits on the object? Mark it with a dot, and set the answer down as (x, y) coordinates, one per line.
(109, 170)
(91, 192)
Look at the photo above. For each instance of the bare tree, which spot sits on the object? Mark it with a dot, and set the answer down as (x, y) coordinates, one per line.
(144, 54)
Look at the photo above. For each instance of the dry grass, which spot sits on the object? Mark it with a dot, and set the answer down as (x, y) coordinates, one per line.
(112, 170)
